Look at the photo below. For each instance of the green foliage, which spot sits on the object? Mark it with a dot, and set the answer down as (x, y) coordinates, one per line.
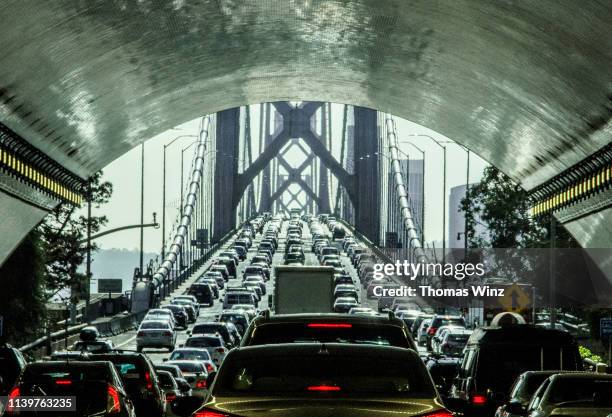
(22, 301)
(585, 353)
(62, 230)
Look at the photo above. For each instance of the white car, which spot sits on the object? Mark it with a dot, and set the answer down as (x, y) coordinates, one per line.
(193, 354)
(161, 314)
(213, 343)
(195, 374)
(191, 298)
(156, 334)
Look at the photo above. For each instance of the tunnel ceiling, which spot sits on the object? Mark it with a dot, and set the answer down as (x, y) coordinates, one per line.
(525, 84)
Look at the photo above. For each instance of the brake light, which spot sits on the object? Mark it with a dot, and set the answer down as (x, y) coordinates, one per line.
(15, 392)
(170, 397)
(112, 400)
(201, 384)
(149, 381)
(209, 413)
(479, 399)
(439, 413)
(63, 382)
(323, 388)
(432, 330)
(220, 350)
(330, 325)
(209, 368)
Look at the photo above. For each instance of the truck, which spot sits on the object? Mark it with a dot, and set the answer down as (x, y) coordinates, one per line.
(303, 289)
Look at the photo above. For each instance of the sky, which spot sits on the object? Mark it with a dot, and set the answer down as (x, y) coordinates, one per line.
(124, 173)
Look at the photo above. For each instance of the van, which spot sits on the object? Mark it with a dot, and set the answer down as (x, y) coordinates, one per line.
(495, 356)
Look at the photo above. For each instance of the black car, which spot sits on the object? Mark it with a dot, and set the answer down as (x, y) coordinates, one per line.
(180, 314)
(176, 372)
(328, 328)
(12, 363)
(95, 386)
(203, 293)
(294, 258)
(140, 381)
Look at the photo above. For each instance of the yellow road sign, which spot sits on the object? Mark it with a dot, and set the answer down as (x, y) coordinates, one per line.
(515, 298)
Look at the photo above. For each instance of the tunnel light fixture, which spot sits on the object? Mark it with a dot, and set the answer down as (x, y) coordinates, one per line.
(15, 166)
(577, 191)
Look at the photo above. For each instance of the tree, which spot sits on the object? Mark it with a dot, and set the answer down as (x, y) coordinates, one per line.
(22, 301)
(62, 230)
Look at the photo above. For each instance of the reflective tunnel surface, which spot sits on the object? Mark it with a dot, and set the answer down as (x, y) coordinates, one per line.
(524, 84)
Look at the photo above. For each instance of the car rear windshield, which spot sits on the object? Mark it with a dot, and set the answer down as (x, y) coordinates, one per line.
(190, 355)
(239, 299)
(203, 342)
(580, 389)
(324, 376)
(500, 365)
(329, 333)
(155, 325)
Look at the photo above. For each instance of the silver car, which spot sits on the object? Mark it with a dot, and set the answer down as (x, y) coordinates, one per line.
(195, 374)
(156, 334)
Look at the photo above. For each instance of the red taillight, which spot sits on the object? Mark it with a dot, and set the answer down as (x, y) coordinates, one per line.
(63, 382)
(140, 334)
(149, 381)
(209, 413)
(220, 350)
(209, 368)
(323, 388)
(201, 384)
(330, 325)
(439, 413)
(432, 330)
(170, 397)
(167, 333)
(15, 392)
(113, 405)
(479, 399)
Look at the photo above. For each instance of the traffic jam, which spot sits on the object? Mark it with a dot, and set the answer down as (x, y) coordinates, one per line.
(283, 322)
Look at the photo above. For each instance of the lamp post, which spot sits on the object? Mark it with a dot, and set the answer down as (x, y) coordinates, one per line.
(166, 146)
(443, 192)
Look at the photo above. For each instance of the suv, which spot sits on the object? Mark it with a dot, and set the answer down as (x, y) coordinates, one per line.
(239, 297)
(215, 327)
(140, 381)
(203, 292)
(328, 328)
(495, 356)
(438, 321)
(96, 386)
(12, 363)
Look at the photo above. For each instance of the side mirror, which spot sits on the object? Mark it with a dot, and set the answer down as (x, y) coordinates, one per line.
(515, 407)
(210, 379)
(186, 406)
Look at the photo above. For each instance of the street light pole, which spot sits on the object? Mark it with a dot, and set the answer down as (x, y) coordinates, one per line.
(142, 160)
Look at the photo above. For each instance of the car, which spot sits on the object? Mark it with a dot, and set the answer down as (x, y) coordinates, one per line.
(328, 328)
(222, 269)
(343, 279)
(140, 381)
(443, 371)
(319, 379)
(265, 267)
(180, 314)
(256, 279)
(237, 318)
(223, 329)
(191, 298)
(94, 346)
(230, 264)
(68, 355)
(439, 321)
(195, 374)
(247, 309)
(217, 276)
(453, 341)
(522, 391)
(422, 332)
(12, 364)
(176, 372)
(231, 254)
(344, 304)
(94, 388)
(188, 306)
(346, 290)
(436, 340)
(239, 297)
(254, 270)
(254, 286)
(495, 356)
(212, 342)
(161, 314)
(155, 334)
(169, 385)
(363, 311)
(204, 293)
(417, 322)
(193, 354)
(294, 259)
(582, 394)
(260, 258)
(241, 251)
(89, 333)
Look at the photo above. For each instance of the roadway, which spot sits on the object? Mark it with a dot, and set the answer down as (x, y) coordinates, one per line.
(128, 340)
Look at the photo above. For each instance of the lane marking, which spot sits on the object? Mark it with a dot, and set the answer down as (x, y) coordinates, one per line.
(126, 342)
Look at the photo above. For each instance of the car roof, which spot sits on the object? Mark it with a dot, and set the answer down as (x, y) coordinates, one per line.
(65, 364)
(327, 317)
(581, 375)
(338, 349)
(523, 333)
